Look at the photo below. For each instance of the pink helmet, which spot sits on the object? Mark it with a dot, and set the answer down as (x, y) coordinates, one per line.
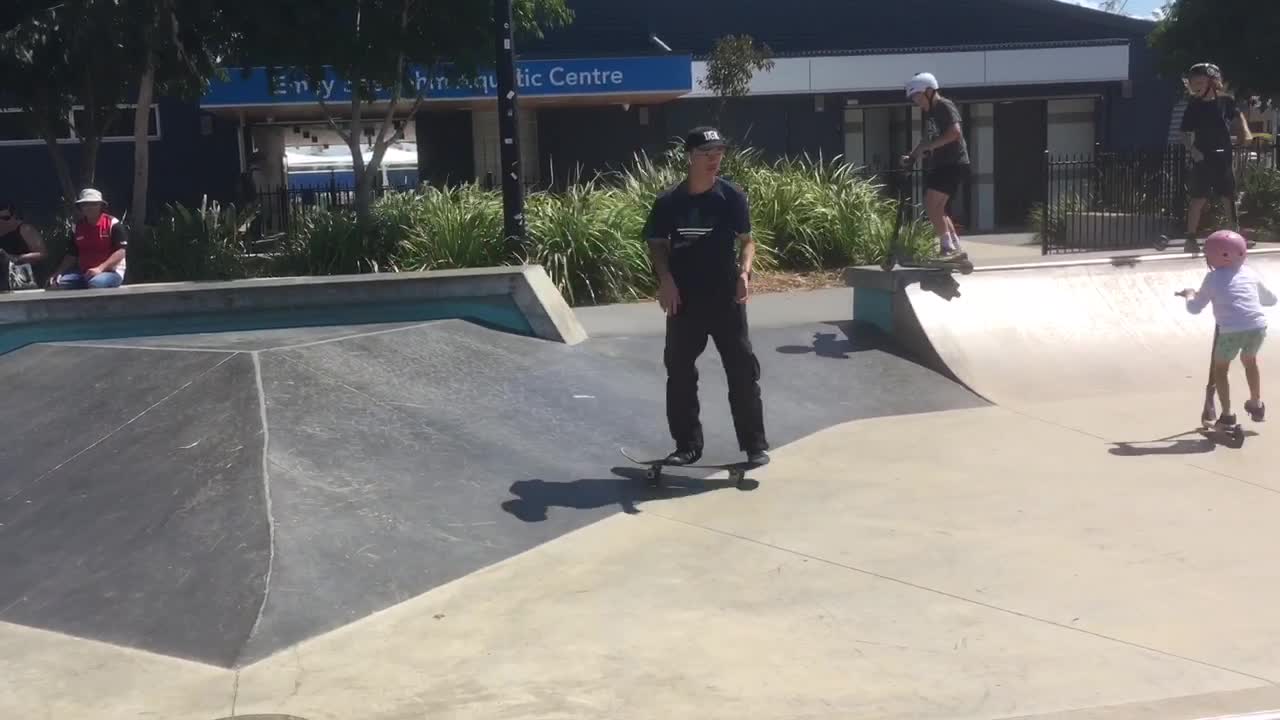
(1225, 249)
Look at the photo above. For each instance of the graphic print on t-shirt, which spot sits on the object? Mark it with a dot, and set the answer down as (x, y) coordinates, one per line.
(694, 229)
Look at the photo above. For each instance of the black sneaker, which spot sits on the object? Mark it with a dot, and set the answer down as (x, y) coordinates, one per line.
(684, 457)
(758, 457)
(1191, 246)
(1257, 411)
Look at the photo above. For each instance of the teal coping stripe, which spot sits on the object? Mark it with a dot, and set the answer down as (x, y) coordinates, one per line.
(873, 306)
(498, 313)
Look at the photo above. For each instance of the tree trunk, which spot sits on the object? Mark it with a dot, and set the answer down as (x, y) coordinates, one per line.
(141, 147)
(60, 166)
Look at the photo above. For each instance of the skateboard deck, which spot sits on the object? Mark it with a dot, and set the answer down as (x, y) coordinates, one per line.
(737, 471)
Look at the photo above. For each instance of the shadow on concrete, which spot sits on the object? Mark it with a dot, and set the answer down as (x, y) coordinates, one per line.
(851, 338)
(534, 498)
(1176, 445)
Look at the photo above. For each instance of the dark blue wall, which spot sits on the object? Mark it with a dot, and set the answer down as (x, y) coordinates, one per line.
(1141, 120)
(591, 140)
(445, 149)
(185, 164)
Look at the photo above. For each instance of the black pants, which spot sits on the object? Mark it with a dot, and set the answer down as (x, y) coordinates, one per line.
(725, 322)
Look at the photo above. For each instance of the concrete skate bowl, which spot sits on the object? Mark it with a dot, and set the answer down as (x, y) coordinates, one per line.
(223, 496)
(1076, 342)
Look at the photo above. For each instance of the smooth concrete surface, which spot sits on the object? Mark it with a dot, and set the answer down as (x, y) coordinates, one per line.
(274, 485)
(528, 287)
(947, 565)
(765, 310)
(1071, 333)
(1066, 555)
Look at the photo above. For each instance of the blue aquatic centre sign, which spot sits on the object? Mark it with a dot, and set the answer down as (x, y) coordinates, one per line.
(536, 78)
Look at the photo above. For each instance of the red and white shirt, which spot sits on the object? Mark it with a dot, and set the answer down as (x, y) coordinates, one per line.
(95, 242)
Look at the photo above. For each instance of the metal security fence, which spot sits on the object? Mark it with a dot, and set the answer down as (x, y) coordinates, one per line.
(1124, 200)
(279, 209)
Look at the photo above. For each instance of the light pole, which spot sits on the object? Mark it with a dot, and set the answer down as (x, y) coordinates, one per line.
(513, 225)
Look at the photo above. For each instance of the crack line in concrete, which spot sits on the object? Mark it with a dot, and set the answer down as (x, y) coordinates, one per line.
(354, 336)
(126, 424)
(266, 496)
(962, 598)
(152, 348)
(1086, 433)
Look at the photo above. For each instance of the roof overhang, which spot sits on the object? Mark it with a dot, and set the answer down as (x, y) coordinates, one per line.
(1102, 61)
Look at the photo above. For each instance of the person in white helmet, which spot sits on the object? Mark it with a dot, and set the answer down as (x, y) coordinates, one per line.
(948, 158)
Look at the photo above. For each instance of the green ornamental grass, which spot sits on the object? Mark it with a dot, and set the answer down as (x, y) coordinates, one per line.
(806, 214)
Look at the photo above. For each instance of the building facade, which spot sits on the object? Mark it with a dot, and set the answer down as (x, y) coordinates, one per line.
(1030, 77)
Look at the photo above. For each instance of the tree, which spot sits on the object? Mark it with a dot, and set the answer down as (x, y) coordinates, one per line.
(383, 51)
(69, 67)
(1237, 35)
(174, 50)
(732, 65)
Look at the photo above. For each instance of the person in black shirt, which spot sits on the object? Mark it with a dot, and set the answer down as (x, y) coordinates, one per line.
(22, 251)
(948, 159)
(1207, 125)
(704, 283)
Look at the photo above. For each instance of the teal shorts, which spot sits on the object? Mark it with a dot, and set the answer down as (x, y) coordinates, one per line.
(1246, 343)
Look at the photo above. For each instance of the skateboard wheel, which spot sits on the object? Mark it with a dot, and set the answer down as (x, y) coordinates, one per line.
(654, 476)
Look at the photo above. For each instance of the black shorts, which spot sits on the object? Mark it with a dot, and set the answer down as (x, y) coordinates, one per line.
(947, 179)
(1213, 177)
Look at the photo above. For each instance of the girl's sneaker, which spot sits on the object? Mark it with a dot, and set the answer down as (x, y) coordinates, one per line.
(1257, 411)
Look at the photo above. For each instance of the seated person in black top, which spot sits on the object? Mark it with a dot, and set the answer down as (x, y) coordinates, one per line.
(703, 285)
(22, 251)
(1208, 125)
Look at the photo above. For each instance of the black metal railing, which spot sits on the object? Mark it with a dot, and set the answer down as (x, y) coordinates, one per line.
(279, 209)
(1123, 200)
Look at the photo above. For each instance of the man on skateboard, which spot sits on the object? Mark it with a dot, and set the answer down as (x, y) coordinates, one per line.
(1208, 124)
(948, 159)
(703, 286)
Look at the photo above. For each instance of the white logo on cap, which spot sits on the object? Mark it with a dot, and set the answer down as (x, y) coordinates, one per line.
(710, 135)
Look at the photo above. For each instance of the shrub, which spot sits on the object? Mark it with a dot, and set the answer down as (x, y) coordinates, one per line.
(187, 244)
(806, 214)
(324, 241)
(1260, 206)
(440, 229)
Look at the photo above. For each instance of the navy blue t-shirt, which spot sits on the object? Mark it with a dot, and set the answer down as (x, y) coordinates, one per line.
(1211, 121)
(703, 230)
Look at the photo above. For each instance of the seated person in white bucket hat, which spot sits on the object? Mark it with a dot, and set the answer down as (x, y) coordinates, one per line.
(98, 251)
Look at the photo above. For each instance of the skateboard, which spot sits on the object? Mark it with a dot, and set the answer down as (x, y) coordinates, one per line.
(737, 471)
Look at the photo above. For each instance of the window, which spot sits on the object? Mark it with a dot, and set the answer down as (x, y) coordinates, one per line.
(15, 130)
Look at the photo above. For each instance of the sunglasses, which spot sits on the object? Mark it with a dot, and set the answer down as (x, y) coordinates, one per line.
(3, 218)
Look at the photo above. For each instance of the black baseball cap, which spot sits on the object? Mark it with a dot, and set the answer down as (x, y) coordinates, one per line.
(704, 137)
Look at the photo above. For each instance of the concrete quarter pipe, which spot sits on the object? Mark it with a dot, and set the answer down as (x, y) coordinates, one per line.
(1076, 342)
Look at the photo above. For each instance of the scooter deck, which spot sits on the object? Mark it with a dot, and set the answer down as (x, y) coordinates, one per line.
(964, 267)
